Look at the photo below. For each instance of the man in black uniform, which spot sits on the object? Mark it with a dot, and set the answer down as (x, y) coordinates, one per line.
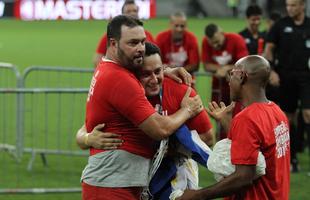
(254, 38)
(290, 36)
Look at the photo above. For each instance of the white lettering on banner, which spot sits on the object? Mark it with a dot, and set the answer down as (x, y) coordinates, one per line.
(76, 9)
(2, 6)
(282, 139)
(92, 86)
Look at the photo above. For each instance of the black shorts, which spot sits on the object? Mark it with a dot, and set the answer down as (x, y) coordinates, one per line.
(294, 89)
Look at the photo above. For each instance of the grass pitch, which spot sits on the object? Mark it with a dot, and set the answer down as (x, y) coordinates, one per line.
(73, 43)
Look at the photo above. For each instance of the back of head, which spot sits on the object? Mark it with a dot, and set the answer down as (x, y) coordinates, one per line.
(211, 29)
(115, 25)
(151, 49)
(253, 10)
(257, 68)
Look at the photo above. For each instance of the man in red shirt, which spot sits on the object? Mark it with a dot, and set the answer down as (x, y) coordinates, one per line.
(117, 99)
(129, 8)
(219, 53)
(179, 47)
(260, 126)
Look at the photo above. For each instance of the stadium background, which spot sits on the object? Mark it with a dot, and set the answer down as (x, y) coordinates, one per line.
(72, 43)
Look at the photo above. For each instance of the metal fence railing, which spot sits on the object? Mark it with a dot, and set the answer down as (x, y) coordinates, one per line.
(41, 110)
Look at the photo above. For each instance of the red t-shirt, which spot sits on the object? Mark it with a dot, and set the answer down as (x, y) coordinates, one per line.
(233, 49)
(173, 94)
(178, 54)
(262, 127)
(117, 99)
(102, 46)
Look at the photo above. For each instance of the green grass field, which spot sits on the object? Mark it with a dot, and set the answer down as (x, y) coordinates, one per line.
(72, 43)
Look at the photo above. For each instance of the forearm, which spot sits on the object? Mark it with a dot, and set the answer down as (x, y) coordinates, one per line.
(207, 137)
(191, 68)
(81, 138)
(268, 53)
(210, 67)
(228, 186)
(159, 127)
(226, 123)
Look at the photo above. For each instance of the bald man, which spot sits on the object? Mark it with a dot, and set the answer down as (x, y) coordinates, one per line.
(260, 126)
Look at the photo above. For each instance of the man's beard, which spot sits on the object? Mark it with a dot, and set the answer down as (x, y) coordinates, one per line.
(128, 62)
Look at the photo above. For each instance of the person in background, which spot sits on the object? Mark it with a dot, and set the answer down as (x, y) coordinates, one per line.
(289, 38)
(254, 38)
(260, 126)
(129, 8)
(178, 46)
(219, 53)
(273, 91)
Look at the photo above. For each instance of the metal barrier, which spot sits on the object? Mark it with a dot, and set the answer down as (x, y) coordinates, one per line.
(44, 122)
(58, 78)
(9, 78)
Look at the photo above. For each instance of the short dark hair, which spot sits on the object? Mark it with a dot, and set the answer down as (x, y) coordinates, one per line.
(151, 49)
(253, 10)
(114, 26)
(127, 2)
(211, 29)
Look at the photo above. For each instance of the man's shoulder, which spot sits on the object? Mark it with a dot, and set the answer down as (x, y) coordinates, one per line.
(174, 88)
(244, 32)
(164, 34)
(284, 21)
(110, 70)
(170, 83)
(147, 32)
(233, 36)
(190, 34)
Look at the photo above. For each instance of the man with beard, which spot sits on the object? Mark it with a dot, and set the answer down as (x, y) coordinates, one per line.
(117, 99)
(179, 47)
(260, 126)
(289, 37)
(129, 8)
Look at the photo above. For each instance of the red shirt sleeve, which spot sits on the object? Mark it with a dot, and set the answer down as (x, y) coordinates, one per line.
(245, 142)
(130, 100)
(162, 41)
(149, 37)
(102, 46)
(240, 47)
(205, 51)
(193, 51)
